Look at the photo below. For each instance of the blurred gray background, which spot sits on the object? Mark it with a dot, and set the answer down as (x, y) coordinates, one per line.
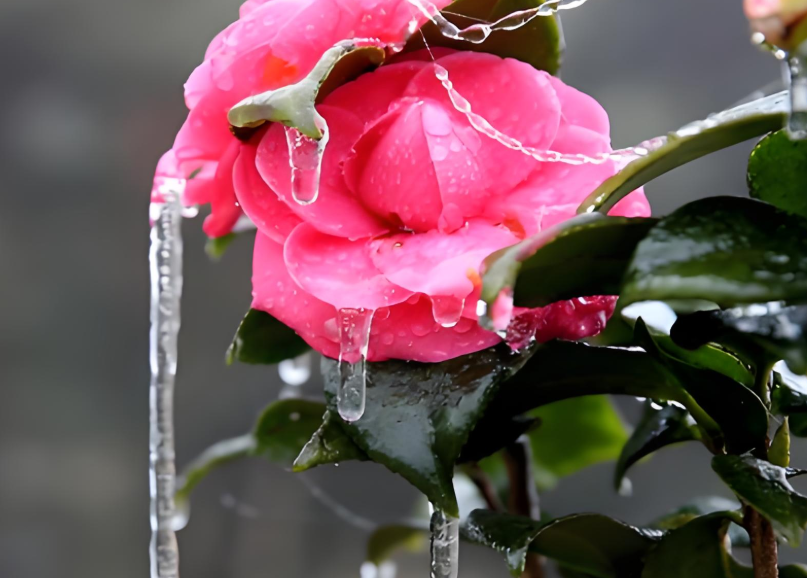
(91, 95)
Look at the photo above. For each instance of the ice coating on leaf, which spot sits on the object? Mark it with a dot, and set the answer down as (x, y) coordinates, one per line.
(354, 340)
(445, 544)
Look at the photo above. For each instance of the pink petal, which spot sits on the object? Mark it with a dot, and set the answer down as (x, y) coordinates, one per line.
(579, 109)
(260, 203)
(338, 271)
(275, 292)
(336, 211)
(224, 209)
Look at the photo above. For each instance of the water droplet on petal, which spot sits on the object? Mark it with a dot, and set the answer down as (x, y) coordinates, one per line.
(447, 311)
(354, 337)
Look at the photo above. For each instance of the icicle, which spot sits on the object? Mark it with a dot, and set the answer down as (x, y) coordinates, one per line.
(165, 258)
(305, 159)
(478, 33)
(797, 69)
(447, 311)
(294, 373)
(386, 569)
(445, 544)
(354, 339)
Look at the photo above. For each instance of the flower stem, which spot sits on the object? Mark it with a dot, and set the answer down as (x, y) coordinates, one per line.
(523, 498)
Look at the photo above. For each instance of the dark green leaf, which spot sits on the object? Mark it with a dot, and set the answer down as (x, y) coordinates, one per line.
(660, 426)
(780, 332)
(537, 43)
(689, 143)
(575, 434)
(727, 250)
(765, 487)
(740, 415)
(776, 171)
(218, 454)
(329, 444)
(798, 425)
(586, 255)
(386, 540)
(293, 105)
(694, 550)
(510, 535)
(419, 416)
(489, 438)
(699, 507)
(793, 571)
(263, 339)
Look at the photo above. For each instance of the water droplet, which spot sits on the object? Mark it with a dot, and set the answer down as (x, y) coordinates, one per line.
(354, 338)
(445, 543)
(305, 159)
(447, 311)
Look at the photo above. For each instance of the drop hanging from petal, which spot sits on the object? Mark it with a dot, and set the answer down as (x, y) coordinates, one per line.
(305, 160)
(447, 311)
(165, 261)
(445, 544)
(354, 340)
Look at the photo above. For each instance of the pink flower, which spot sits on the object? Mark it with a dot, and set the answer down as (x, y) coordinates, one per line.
(274, 43)
(413, 198)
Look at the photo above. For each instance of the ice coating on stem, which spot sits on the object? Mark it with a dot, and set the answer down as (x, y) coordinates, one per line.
(445, 545)
(478, 33)
(165, 259)
(305, 159)
(797, 70)
(354, 339)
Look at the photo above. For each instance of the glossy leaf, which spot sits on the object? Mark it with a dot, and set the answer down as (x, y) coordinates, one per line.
(419, 416)
(385, 541)
(776, 171)
(293, 105)
(537, 43)
(700, 507)
(789, 395)
(727, 250)
(688, 143)
(575, 434)
(488, 438)
(779, 452)
(588, 543)
(586, 255)
(216, 247)
(779, 331)
(765, 487)
(661, 426)
(263, 339)
(329, 444)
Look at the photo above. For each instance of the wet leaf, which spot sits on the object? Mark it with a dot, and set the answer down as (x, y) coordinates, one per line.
(575, 434)
(660, 427)
(385, 541)
(779, 331)
(740, 416)
(776, 172)
(419, 416)
(691, 142)
(263, 339)
(727, 250)
(488, 438)
(329, 444)
(702, 506)
(537, 43)
(789, 397)
(293, 105)
(588, 543)
(765, 487)
(586, 255)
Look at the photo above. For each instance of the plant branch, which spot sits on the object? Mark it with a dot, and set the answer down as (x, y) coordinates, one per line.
(523, 498)
(485, 487)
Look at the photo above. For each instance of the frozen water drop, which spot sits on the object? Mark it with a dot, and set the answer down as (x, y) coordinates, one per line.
(445, 543)
(294, 373)
(447, 311)
(305, 160)
(354, 339)
(797, 121)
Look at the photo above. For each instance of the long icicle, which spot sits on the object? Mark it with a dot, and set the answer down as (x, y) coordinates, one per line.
(165, 259)
(445, 544)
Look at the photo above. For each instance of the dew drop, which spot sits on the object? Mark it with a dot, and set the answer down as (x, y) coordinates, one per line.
(445, 542)
(305, 159)
(447, 311)
(354, 338)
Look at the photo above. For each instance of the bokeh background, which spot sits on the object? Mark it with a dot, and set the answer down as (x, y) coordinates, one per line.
(91, 95)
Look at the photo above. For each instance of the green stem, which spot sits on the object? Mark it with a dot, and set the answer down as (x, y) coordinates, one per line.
(523, 499)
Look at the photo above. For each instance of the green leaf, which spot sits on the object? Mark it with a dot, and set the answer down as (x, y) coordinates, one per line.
(661, 426)
(793, 571)
(419, 416)
(718, 400)
(779, 452)
(588, 543)
(215, 247)
(293, 105)
(765, 487)
(586, 255)
(728, 250)
(329, 444)
(780, 332)
(263, 339)
(537, 43)
(694, 550)
(217, 455)
(691, 142)
(789, 396)
(575, 434)
(699, 507)
(488, 438)
(385, 541)
(776, 172)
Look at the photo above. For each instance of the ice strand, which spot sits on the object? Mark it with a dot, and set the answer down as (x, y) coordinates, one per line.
(305, 160)
(165, 260)
(445, 545)
(797, 69)
(478, 33)
(354, 339)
